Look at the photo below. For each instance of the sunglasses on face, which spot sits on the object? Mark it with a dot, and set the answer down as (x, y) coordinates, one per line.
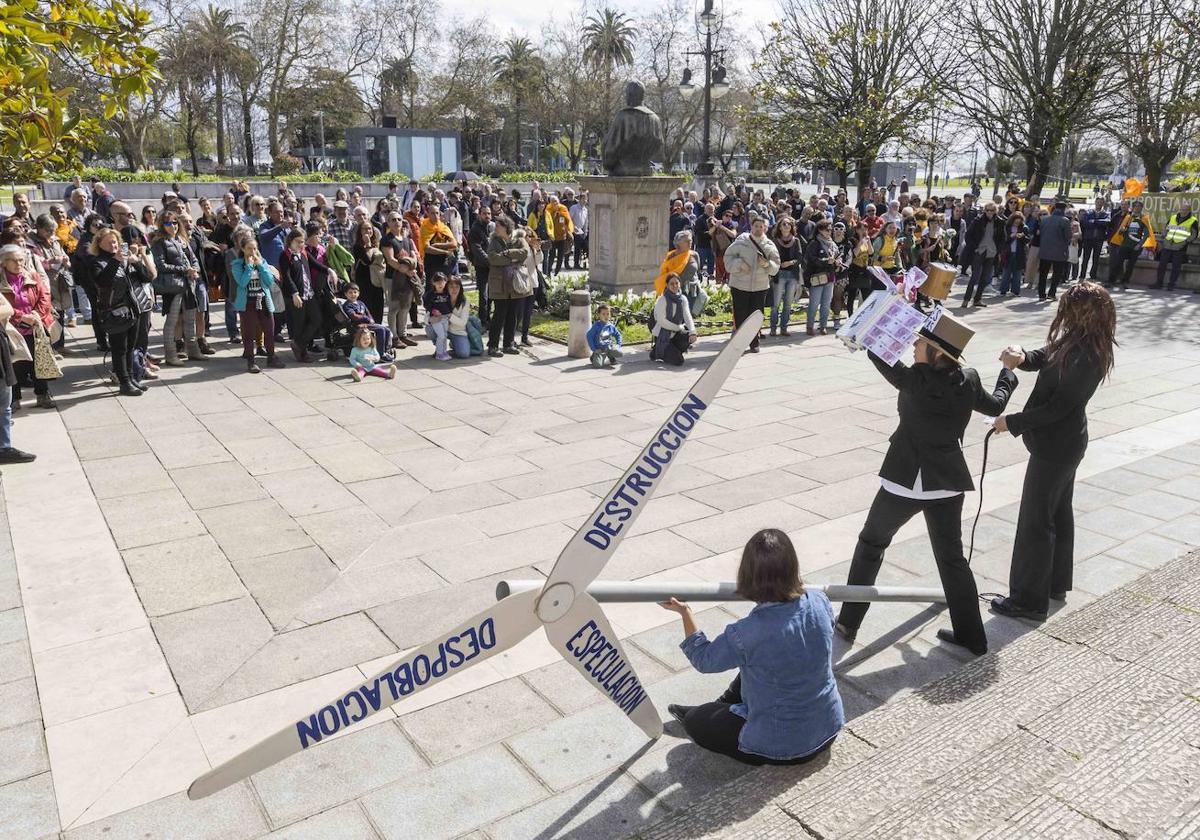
(170, 224)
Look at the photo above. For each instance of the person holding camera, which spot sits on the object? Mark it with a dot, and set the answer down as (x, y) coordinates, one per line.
(752, 260)
(121, 272)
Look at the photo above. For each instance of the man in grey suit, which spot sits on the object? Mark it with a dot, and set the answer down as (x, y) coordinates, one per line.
(1055, 244)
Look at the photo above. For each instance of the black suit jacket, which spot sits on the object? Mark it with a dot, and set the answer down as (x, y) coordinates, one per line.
(1053, 424)
(935, 407)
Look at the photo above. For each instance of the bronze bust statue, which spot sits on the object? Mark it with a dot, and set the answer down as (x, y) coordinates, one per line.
(634, 137)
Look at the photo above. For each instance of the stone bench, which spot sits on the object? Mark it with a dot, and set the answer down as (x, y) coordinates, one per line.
(1146, 272)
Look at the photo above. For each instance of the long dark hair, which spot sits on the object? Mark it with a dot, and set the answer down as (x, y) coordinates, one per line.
(1086, 322)
(769, 571)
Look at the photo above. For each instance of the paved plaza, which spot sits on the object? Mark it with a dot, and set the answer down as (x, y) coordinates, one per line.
(184, 573)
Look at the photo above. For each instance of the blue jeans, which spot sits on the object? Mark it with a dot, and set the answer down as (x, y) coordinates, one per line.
(783, 291)
(1014, 272)
(231, 322)
(5, 416)
(439, 334)
(708, 260)
(460, 346)
(819, 297)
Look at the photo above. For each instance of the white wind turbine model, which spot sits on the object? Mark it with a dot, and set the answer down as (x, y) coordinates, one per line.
(572, 618)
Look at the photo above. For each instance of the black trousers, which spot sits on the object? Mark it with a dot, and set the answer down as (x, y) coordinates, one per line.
(558, 253)
(1175, 260)
(744, 304)
(982, 269)
(581, 249)
(1045, 544)
(306, 322)
(526, 315)
(481, 286)
(120, 345)
(853, 293)
(25, 374)
(504, 316)
(372, 298)
(1089, 254)
(1057, 271)
(943, 518)
(714, 727)
(1121, 263)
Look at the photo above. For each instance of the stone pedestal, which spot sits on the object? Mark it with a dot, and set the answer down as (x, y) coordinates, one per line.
(628, 236)
(580, 323)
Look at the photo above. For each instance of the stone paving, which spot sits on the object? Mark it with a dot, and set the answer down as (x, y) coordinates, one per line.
(1086, 727)
(199, 565)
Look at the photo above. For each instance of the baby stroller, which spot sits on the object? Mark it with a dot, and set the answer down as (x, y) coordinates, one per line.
(339, 337)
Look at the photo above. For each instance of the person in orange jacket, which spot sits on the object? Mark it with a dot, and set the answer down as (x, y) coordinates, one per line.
(1133, 234)
(562, 231)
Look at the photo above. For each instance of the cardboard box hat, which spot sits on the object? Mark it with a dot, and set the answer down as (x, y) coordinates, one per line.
(948, 334)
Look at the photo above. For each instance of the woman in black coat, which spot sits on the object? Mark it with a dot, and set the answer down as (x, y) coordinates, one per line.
(1077, 357)
(119, 277)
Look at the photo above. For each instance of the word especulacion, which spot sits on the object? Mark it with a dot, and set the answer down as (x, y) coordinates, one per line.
(403, 680)
(606, 667)
(644, 472)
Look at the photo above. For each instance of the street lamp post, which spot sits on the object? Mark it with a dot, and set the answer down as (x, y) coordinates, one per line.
(708, 21)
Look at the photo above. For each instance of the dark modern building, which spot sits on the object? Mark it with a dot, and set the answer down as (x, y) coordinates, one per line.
(416, 152)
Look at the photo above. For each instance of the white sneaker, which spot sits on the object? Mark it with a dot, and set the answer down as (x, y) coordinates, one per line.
(391, 371)
(356, 375)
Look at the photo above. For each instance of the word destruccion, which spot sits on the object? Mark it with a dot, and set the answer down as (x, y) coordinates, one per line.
(639, 481)
(605, 665)
(403, 680)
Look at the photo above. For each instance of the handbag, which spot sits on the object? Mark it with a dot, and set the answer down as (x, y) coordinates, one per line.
(377, 267)
(166, 283)
(516, 277)
(45, 366)
(119, 319)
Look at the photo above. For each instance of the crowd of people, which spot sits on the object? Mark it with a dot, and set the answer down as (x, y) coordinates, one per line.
(280, 271)
(774, 249)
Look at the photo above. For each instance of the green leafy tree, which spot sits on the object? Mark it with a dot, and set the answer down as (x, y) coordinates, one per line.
(1032, 74)
(1159, 89)
(608, 39)
(40, 125)
(519, 69)
(837, 82)
(218, 39)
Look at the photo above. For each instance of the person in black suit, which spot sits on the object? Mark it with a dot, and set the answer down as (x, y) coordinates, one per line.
(1077, 357)
(925, 472)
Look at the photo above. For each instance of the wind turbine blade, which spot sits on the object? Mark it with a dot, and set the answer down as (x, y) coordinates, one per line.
(584, 638)
(481, 637)
(594, 544)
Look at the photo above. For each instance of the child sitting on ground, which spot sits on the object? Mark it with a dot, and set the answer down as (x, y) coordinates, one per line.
(438, 307)
(604, 339)
(460, 319)
(360, 317)
(364, 358)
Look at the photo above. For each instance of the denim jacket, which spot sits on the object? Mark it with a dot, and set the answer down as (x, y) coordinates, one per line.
(790, 698)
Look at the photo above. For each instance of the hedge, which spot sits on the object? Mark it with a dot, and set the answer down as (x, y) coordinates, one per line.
(166, 176)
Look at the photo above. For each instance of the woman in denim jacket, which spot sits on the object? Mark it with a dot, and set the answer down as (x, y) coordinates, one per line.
(783, 707)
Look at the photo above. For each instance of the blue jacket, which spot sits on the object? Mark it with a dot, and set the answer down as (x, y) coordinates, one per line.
(271, 242)
(241, 276)
(783, 650)
(1094, 224)
(602, 334)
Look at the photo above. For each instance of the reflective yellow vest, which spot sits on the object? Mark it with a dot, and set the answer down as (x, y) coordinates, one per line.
(1179, 232)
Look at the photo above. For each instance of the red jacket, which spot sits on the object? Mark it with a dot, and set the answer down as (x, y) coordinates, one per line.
(32, 297)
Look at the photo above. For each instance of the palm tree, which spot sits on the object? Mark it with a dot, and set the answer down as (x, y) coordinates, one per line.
(518, 68)
(219, 37)
(608, 44)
